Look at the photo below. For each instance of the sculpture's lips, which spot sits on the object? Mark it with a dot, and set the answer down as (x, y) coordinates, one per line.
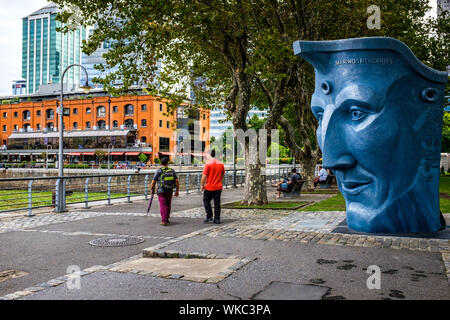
(355, 187)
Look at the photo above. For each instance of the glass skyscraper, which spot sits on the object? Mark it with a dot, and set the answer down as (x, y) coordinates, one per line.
(47, 52)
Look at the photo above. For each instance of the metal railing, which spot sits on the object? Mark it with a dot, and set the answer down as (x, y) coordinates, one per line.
(18, 194)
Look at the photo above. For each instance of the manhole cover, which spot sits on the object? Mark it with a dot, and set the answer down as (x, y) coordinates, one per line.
(118, 241)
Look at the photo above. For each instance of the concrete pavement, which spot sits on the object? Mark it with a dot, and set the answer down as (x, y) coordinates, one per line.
(286, 251)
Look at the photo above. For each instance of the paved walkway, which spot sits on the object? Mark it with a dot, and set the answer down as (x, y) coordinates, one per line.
(261, 253)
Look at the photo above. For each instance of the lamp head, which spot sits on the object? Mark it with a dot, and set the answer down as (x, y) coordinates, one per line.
(86, 87)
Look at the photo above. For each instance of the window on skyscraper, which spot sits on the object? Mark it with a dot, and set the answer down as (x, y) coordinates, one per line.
(88, 125)
(143, 123)
(5, 115)
(144, 107)
(160, 107)
(115, 109)
(38, 113)
(88, 110)
(16, 114)
(75, 125)
(160, 123)
(75, 111)
(4, 128)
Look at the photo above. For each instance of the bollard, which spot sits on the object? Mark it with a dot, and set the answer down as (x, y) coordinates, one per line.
(109, 190)
(86, 194)
(30, 199)
(129, 189)
(187, 183)
(199, 180)
(57, 199)
(146, 187)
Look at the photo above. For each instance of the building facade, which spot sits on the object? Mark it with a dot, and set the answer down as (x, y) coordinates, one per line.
(47, 52)
(126, 126)
(443, 5)
(219, 123)
(19, 87)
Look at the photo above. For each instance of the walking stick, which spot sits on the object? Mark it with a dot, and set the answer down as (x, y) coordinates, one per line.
(150, 203)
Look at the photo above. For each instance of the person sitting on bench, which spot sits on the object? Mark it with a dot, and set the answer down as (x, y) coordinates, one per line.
(288, 184)
(322, 178)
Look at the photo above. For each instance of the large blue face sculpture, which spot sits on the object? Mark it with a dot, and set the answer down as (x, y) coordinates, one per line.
(380, 120)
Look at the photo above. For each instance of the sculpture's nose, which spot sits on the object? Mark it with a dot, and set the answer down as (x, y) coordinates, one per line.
(335, 149)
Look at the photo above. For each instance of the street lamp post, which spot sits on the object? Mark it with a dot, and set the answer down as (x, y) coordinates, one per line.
(86, 88)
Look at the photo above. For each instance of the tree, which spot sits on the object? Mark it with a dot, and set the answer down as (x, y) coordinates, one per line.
(100, 155)
(142, 157)
(240, 53)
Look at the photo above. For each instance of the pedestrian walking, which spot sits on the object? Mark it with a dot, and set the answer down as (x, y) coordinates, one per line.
(211, 184)
(167, 181)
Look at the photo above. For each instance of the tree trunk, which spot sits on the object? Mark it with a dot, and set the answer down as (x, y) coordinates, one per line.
(255, 192)
(308, 171)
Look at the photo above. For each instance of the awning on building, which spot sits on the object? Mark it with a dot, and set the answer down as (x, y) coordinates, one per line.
(199, 154)
(147, 152)
(132, 153)
(74, 153)
(88, 153)
(69, 134)
(117, 153)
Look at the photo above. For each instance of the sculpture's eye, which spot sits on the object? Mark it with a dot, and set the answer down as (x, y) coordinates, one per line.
(357, 114)
(319, 117)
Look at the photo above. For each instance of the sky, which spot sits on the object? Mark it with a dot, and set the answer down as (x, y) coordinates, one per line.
(11, 14)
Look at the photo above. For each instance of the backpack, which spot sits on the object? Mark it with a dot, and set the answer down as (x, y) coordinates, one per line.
(168, 178)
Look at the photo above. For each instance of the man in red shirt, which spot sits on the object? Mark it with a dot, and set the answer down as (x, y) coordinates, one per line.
(212, 186)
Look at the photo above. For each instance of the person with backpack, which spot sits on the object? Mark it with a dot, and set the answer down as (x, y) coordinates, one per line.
(167, 181)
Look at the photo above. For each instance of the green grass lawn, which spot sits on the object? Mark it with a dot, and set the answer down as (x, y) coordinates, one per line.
(271, 205)
(337, 203)
(17, 199)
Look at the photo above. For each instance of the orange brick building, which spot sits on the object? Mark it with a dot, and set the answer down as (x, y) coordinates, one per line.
(125, 126)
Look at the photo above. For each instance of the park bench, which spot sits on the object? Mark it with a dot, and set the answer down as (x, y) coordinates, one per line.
(294, 191)
(327, 184)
